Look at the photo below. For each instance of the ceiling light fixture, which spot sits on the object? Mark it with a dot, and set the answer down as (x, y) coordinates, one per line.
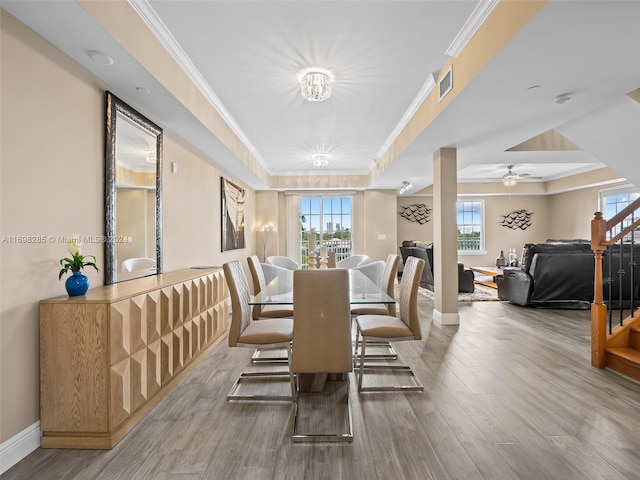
(320, 160)
(100, 57)
(315, 86)
(150, 157)
(406, 186)
(509, 179)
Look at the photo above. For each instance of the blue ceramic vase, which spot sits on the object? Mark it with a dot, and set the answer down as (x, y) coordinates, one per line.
(77, 284)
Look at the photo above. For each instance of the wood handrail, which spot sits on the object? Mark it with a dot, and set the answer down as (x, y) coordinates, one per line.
(599, 244)
(624, 213)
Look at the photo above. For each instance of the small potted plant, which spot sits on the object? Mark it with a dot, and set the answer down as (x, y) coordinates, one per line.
(78, 283)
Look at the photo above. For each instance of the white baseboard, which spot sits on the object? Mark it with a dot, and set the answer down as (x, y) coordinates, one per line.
(440, 318)
(19, 446)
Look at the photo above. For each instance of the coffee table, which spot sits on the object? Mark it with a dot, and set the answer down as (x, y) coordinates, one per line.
(493, 272)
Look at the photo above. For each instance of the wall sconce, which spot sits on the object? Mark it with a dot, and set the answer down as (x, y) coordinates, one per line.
(265, 234)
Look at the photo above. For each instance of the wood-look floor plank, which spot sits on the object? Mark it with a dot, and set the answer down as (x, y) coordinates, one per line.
(509, 394)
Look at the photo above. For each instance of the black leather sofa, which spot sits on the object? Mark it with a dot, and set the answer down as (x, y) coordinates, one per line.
(411, 248)
(559, 274)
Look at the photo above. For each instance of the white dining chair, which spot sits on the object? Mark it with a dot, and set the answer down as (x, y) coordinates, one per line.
(284, 262)
(133, 264)
(353, 261)
(386, 281)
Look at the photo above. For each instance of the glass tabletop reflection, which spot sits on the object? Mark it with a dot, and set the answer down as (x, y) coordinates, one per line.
(362, 290)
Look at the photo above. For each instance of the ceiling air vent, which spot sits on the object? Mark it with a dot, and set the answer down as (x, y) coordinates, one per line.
(445, 84)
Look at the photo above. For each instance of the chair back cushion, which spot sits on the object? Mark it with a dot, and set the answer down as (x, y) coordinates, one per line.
(239, 293)
(353, 261)
(284, 262)
(132, 264)
(321, 322)
(373, 271)
(409, 295)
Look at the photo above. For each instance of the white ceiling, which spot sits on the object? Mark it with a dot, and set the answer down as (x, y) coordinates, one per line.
(247, 57)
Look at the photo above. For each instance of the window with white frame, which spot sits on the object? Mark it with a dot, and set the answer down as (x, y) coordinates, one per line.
(326, 221)
(614, 200)
(470, 219)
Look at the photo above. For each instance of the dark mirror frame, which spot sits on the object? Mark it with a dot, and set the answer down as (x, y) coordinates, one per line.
(115, 106)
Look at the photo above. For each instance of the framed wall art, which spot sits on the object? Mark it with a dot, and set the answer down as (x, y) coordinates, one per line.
(233, 198)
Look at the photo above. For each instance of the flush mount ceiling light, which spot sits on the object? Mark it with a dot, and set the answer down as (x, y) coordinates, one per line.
(320, 160)
(150, 156)
(315, 86)
(405, 187)
(99, 57)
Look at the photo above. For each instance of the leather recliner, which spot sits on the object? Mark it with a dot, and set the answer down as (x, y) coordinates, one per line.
(551, 275)
(465, 276)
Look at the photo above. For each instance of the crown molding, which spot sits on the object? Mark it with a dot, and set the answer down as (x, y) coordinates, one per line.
(162, 33)
(424, 92)
(477, 18)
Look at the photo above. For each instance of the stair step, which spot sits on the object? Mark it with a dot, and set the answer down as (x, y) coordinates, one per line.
(624, 360)
(634, 337)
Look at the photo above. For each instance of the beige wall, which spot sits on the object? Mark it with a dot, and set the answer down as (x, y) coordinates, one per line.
(51, 178)
(572, 213)
(380, 219)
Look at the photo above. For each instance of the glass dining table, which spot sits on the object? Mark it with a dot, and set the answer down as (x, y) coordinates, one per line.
(362, 291)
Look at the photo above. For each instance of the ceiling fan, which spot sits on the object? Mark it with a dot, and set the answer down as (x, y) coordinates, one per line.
(510, 178)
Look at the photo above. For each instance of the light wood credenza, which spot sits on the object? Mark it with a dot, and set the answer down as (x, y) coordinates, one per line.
(107, 358)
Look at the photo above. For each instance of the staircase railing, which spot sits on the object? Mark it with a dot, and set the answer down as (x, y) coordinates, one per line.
(618, 232)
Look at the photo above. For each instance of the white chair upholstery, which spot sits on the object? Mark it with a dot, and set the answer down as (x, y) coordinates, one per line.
(243, 332)
(284, 275)
(284, 262)
(376, 328)
(353, 261)
(386, 282)
(132, 264)
(260, 283)
(373, 271)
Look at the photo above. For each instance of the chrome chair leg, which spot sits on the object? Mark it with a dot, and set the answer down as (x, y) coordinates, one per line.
(362, 366)
(299, 436)
(246, 377)
(260, 356)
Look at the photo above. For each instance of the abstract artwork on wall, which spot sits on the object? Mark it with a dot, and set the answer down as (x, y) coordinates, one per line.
(517, 219)
(418, 212)
(233, 198)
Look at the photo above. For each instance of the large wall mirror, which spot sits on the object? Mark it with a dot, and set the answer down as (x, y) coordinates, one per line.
(133, 194)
